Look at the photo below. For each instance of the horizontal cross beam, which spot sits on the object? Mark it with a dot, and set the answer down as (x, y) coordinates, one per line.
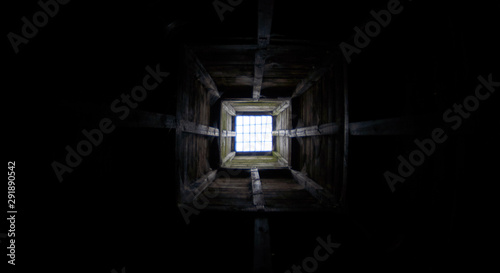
(225, 133)
(324, 129)
(191, 127)
(282, 107)
(408, 125)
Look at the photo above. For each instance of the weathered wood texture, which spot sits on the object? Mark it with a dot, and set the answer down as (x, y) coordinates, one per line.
(323, 129)
(227, 140)
(196, 154)
(261, 162)
(285, 193)
(225, 133)
(202, 75)
(316, 106)
(230, 193)
(258, 196)
(228, 158)
(274, 193)
(283, 143)
(193, 108)
(265, 21)
(229, 108)
(263, 105)
(232, 67)
(258, 74)
(308, 82)
(317, 151)
(317, 191)
(191, 127)
(314, 76)
(283, 106)
(196, 188)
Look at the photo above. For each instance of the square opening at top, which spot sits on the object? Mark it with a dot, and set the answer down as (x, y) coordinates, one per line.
(254, 134)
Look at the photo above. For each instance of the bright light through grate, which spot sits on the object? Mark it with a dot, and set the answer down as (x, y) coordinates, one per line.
(254, 133)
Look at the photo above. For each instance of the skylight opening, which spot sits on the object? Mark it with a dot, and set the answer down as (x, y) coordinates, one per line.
(254, 134)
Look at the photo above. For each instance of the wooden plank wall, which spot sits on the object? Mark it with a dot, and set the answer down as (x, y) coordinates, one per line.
(317, 152)
(283, 143)
(226, 143)
(193, 106)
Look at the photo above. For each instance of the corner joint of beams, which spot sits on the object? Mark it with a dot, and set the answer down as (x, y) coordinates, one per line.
(193, 128)
(283, 106)
(203, 76)
(229, 108)
(316, 190)
(196, 188)
(228, 158)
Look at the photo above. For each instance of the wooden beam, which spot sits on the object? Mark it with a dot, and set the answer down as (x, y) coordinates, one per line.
(265, 20)
(225, 133)
(324, 129)
(229, 108)
(408, 125)
(141, 119)
(313, 76)
(279, 132)
(329, 129)
(281, 159)
(228, 158)
(284, 105)
(225, 142)
(321, 130)
(311, 79)
(258, 195)
(197, 187)
(260, 61)
(313, 188)
(191, 127)
(262, 262)
(202, 75)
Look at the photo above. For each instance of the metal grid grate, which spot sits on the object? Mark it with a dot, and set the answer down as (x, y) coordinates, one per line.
(254, 134)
